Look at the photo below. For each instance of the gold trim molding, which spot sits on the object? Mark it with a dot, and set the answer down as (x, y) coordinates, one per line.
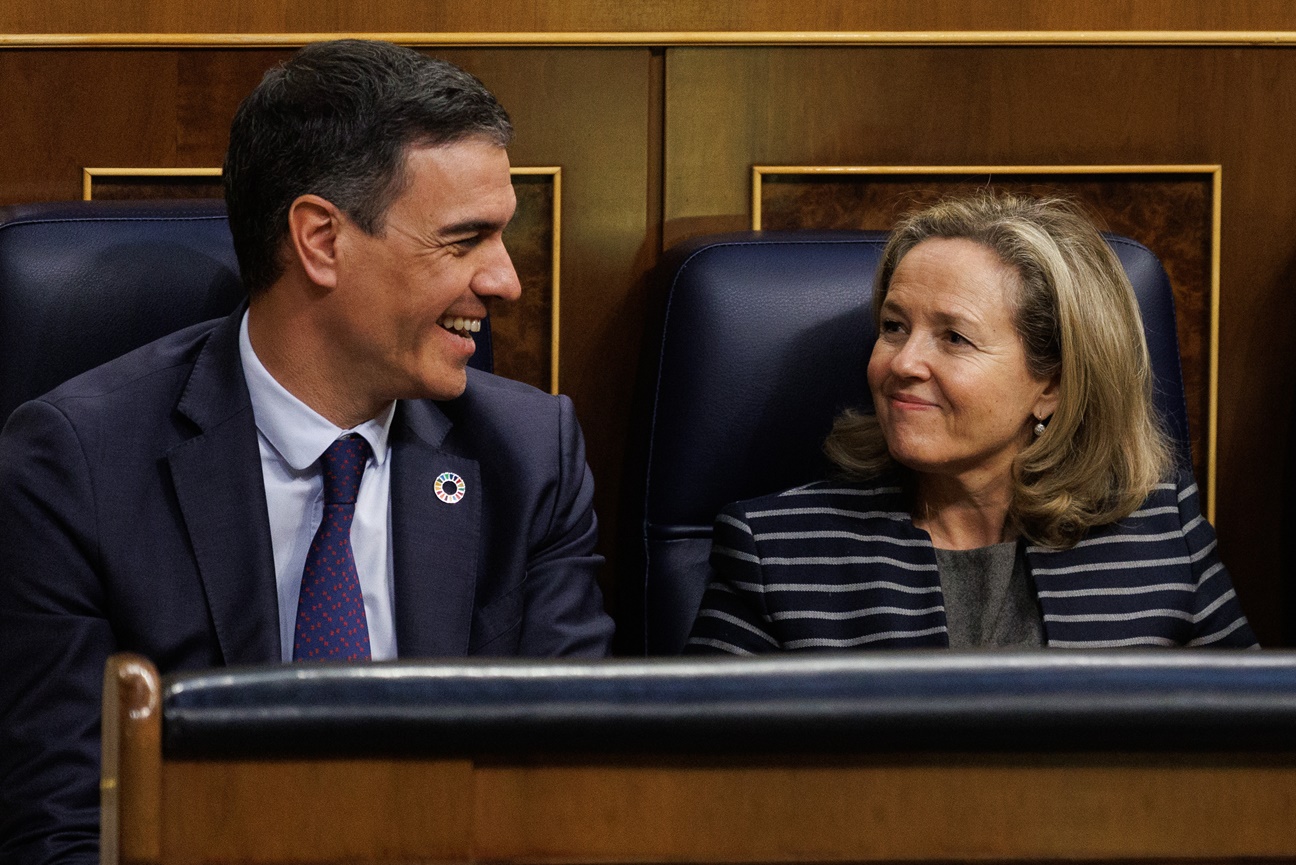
(1215, 172)
(89, 174)
(667, 39)
(553, 171)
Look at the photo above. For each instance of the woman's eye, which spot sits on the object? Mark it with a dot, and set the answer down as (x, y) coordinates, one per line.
(957, 338)
(891, 326)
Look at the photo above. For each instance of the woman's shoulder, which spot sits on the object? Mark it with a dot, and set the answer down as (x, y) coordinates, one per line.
(840, 499)
(1171, 510)
(1176, 496)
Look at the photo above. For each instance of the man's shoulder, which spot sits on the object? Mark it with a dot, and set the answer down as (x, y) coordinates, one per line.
(163, 364)
(504, 423)
(493, 401)
(490, 389)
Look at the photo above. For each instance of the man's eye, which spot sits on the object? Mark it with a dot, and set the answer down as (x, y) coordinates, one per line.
(957, 338)
(891, 326)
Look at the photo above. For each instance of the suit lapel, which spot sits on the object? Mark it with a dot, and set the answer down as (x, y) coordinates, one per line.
(1042, 559)
(218, 483)
(435, 542)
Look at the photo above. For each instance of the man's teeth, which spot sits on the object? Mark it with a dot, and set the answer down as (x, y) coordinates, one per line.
(461, 325)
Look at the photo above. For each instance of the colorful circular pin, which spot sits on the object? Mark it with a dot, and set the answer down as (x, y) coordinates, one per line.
(449, 487)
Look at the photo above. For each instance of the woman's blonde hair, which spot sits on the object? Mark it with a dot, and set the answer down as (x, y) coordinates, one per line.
(1103, 450)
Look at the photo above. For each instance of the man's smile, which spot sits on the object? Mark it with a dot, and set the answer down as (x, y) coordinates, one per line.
(460, 325)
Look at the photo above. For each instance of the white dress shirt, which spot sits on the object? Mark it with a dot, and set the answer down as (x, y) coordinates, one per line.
(292, 437)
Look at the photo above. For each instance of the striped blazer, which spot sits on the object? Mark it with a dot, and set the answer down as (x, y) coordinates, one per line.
(835, 565)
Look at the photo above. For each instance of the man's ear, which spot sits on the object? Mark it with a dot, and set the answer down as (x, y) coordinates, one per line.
(313, 225)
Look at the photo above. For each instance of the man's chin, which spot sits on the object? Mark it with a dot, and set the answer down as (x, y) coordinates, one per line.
(446, 387)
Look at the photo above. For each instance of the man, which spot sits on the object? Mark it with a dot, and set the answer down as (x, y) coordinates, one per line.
(175, 502)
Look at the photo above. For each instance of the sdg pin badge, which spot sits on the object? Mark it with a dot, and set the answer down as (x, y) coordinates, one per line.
(449, 487)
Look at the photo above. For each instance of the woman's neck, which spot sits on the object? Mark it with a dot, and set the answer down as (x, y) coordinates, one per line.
(963, 515)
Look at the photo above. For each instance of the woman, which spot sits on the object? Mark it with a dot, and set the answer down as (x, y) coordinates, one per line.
(1014, 487)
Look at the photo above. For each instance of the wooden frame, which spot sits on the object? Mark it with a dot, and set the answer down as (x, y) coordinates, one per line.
(88, 175)
(1252, 38)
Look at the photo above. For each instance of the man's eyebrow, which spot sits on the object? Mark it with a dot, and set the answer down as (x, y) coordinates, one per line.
(472, 226)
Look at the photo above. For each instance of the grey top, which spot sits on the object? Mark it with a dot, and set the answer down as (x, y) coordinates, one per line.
(989, 599)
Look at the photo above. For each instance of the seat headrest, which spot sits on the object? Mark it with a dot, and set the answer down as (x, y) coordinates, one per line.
(83, 282)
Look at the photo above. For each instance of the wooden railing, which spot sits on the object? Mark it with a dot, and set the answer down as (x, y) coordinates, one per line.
(926, 757)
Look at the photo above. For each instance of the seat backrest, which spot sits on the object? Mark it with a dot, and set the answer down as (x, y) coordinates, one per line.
(82, 282)
(764, 339)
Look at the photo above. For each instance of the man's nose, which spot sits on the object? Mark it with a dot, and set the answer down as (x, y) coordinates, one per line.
(497, 276)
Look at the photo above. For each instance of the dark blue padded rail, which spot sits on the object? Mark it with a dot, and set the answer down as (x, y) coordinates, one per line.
(828, 704)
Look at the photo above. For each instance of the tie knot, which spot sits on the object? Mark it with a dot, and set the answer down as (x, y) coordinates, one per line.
(344, 465)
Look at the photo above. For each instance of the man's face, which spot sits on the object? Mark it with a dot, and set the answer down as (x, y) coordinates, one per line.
(409, 298)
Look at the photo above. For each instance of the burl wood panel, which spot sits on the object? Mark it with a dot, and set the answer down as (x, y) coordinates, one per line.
(1044, 106)
(135, 188)
(524, 330)
(586, 110)
(242, 16)
(1171, 214)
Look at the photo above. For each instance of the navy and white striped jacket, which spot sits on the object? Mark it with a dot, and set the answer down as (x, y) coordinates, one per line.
(835, 565)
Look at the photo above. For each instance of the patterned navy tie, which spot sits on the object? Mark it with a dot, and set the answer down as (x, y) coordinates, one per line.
(331, 622)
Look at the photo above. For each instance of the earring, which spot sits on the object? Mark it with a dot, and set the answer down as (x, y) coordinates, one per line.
(1039, 429)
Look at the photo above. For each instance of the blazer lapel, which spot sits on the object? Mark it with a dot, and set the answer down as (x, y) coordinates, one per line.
(218, 483)
(435, 542)
(1040, 560)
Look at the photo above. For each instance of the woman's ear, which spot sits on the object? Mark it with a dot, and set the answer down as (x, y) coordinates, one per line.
(1047, 402)
(313, 225)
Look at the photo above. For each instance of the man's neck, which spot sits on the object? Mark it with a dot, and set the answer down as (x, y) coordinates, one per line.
(282, 338)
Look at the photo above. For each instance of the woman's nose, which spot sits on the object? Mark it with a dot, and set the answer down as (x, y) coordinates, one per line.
(910, 360)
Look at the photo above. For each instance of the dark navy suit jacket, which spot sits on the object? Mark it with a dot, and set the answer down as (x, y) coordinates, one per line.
(133, 517)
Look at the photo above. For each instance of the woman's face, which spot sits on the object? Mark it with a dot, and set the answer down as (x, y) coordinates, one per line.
(948, 372)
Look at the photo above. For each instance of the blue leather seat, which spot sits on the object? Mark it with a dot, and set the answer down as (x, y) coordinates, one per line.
(763, 340)
(82, 282)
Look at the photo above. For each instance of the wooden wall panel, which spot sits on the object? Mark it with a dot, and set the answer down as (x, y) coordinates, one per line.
(588, 111)
(368, 16)
(65, 110)
(730, 109)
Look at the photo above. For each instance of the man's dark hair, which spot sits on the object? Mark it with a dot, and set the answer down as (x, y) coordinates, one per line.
(335, 120)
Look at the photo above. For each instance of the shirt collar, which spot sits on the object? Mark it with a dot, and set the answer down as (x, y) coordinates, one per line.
(298, 432)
